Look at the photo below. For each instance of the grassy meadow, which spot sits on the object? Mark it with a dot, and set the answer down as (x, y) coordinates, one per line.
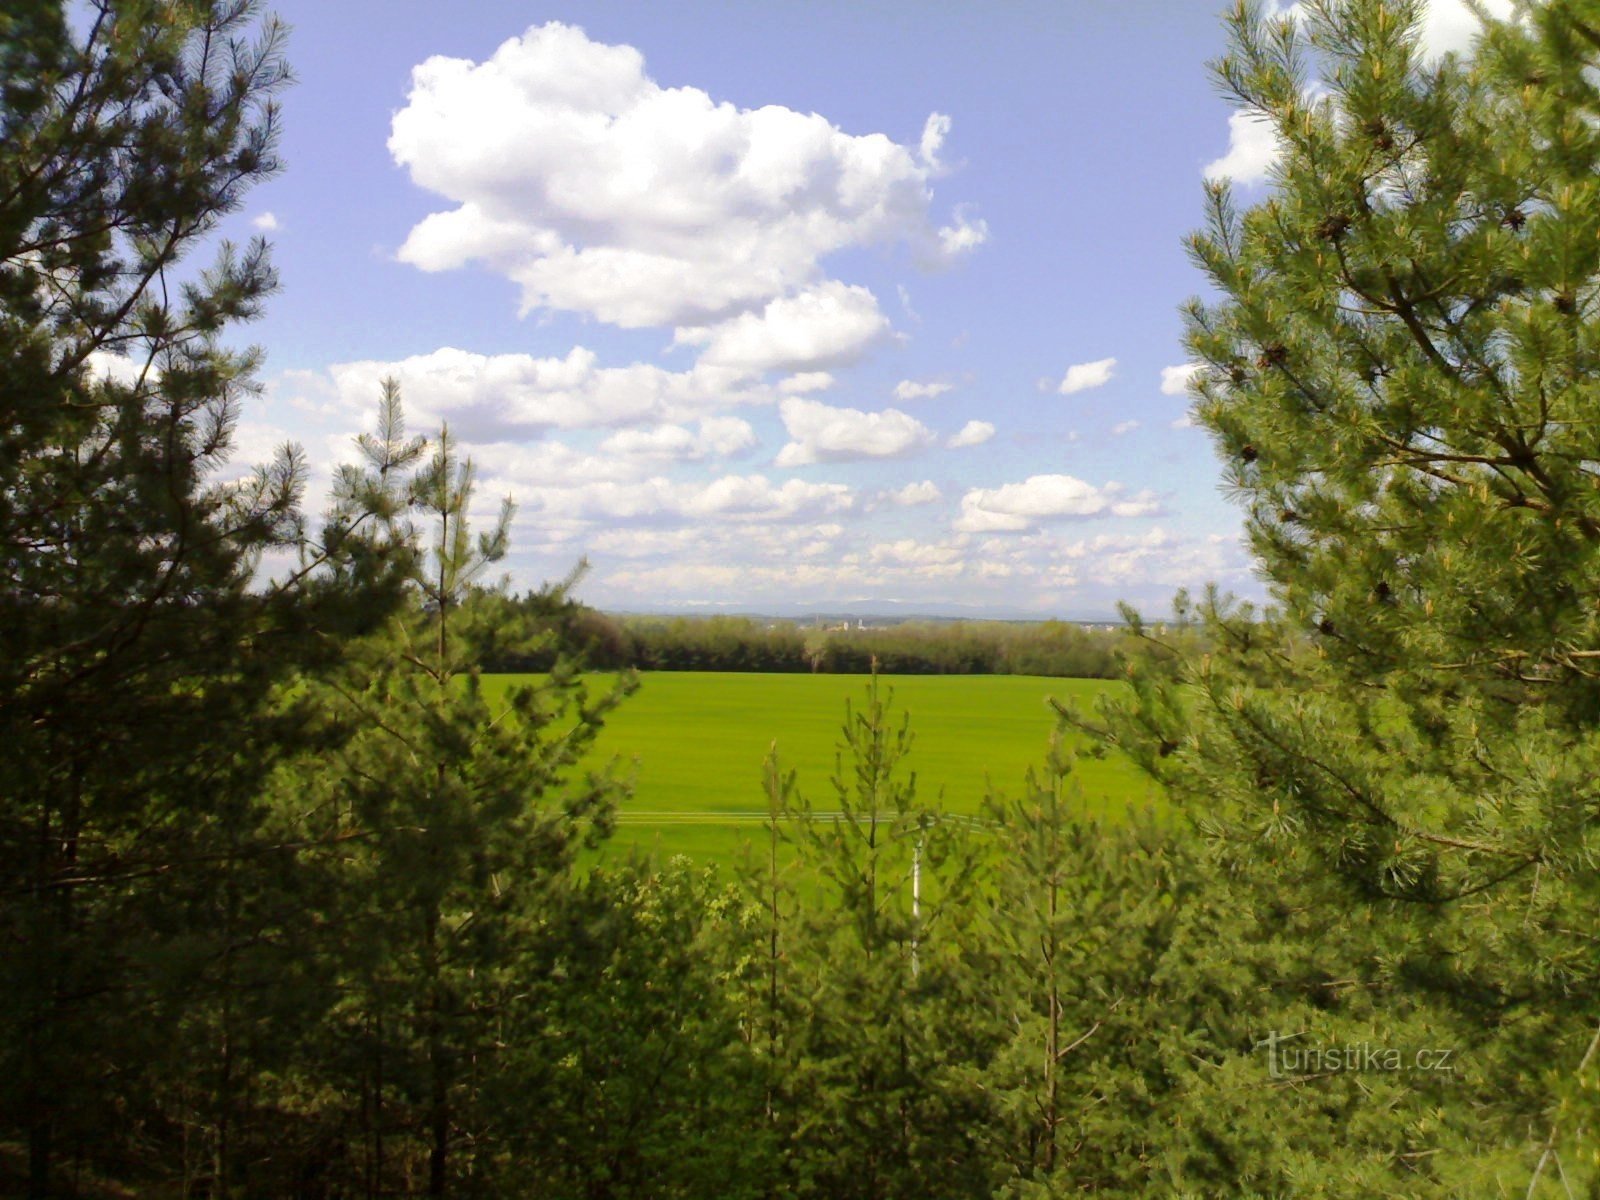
(694, 744)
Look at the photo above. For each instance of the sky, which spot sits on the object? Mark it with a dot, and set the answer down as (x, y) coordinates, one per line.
(778, 307)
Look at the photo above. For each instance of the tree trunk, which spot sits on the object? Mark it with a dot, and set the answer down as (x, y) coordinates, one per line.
(54, 908)
(39, 1152)
(1052, 1052)
(438, 1081)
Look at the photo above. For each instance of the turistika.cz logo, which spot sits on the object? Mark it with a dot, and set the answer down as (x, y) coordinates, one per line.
(1286, 1060)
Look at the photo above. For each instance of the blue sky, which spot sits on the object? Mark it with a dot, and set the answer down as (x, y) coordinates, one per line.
(770, 306)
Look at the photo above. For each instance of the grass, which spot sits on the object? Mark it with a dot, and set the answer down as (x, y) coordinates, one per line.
(694, 743)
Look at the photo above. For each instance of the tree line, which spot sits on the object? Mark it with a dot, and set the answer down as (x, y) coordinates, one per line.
(730, 643)
(292, 905)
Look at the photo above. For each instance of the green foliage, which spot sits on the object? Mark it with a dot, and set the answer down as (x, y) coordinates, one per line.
(136, 657)
(459, 816)
(295, 901)
(1082, 910)
(862, 1018)
(1399, 347)
(723, 643)
(1398, 372)
(629, 1075)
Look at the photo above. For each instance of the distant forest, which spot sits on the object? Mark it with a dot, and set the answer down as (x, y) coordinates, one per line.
(727, 643)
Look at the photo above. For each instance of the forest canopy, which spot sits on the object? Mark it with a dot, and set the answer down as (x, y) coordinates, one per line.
(292, 903)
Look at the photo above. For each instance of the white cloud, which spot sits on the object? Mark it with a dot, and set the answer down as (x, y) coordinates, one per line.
(910, 389)
(1019, 506)
(785, 565)
(743, 496)
(914, 494)
(809, 557)
(669, 442)
(1153, 539)
(266, 222)
(805, 383)
(735, 498)
(1122, 427)
(119, 368)
(948, 556)
(713, 584)
(743, 542)
(1450, 26)
(726, 436)
(973, 433)
(831, 324)
(598, 191)
(1175, 380)
(717, 436)
(1143, 504)
(1080, 377)
(965, 234)
(1156, 557)
(934, 131)
(308, 392)
(822, 433)
(1253, 149)
(517, 468)
(489, 397)
(1184, 422)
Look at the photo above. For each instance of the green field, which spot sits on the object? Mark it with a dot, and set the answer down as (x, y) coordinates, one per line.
(694, 743)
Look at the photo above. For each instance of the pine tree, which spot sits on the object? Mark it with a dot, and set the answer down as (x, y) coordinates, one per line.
(464, 806)
(870, 985)
(1080, 911)
(1399, 374)
(136, 648)
(626, 1073)
(1038, 923)
(767, 878)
